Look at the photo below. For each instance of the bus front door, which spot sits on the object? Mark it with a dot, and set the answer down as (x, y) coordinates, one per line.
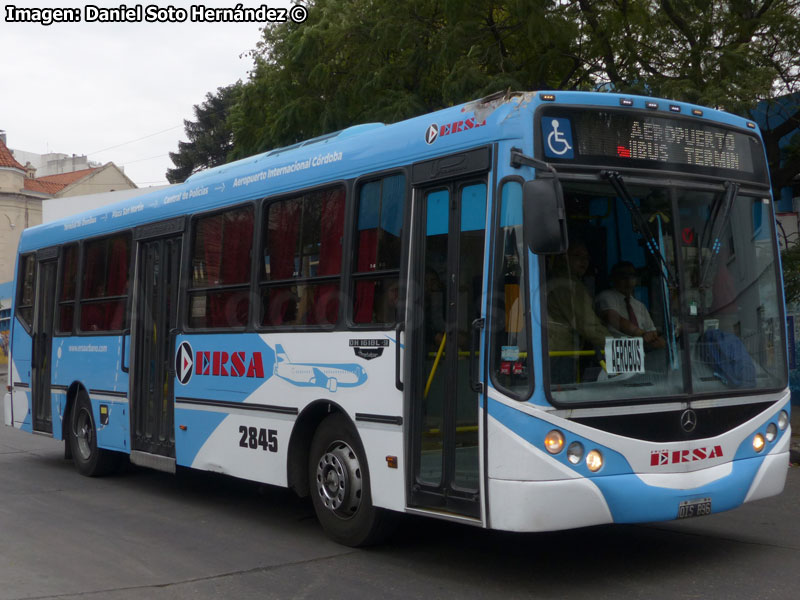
(445, 449)
(152, 411)
(46, 268)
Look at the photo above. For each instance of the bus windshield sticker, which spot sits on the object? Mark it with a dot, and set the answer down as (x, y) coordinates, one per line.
(624, 355)
(509, 353)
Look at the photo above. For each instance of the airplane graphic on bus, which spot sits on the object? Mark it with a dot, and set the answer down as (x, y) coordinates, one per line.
(328, 376)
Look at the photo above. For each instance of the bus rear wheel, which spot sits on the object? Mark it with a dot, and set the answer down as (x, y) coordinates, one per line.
(89, 460)
(340, 486)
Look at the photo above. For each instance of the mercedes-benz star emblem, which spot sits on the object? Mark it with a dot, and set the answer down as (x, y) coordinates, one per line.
(688, 420)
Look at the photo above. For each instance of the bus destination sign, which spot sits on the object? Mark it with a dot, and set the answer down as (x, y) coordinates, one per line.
(617, 138)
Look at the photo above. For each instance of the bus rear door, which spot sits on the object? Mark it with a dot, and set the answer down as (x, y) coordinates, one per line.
(154, 331)
(41, 355)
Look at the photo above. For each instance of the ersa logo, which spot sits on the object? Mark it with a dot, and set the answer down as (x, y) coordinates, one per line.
(659, 458)
(434, 131)
(216, 364)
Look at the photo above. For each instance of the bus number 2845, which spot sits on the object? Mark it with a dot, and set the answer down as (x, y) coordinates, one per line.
(253, 438)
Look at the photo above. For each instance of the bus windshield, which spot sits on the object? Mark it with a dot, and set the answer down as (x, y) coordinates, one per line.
(664, 291)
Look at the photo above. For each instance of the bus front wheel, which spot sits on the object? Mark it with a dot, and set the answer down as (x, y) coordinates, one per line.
(87, 457)
(340, 488)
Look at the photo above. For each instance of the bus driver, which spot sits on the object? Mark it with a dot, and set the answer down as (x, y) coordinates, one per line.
(622, 312)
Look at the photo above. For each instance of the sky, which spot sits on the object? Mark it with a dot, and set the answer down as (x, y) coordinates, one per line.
(116, 92)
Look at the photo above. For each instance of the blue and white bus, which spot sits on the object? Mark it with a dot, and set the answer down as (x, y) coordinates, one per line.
(534, 311)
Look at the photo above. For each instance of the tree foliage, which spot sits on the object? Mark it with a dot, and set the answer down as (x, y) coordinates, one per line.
(210, 136)
(728, 55)
(377, 60)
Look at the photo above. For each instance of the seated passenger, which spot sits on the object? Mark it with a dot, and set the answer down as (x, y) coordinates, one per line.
(623, 313)
(572, 324)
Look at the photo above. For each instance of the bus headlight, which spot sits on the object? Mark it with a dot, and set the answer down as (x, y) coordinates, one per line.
(772, 432)
(594, 460)
(783, 420)
(758, 442)
(575, 452)
(554, 441)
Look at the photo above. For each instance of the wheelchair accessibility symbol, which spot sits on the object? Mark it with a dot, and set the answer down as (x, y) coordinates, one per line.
(558, 137)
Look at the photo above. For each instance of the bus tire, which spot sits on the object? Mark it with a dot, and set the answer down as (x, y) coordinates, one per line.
(88, 459)
(340, 486)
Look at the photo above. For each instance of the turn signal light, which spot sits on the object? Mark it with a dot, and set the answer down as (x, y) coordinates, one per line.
(594, 461)
(554, 441)
(758, 442)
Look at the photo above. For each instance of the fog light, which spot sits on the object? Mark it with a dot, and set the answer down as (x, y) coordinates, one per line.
(772, 432)
(783, 420)
(575, 452)
(758, 442)
(554, 441)
(594, 460)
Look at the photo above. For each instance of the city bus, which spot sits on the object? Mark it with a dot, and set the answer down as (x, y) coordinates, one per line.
(534, 311)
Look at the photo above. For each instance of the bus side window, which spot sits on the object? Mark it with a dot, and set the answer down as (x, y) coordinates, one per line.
(511, 357)
(27, 270)
(104, 293)
(302, 259)
(378, 243)
(222, 247)
(67, 290)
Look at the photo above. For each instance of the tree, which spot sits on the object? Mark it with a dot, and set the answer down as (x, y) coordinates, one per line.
(377, 60)
(210, 135)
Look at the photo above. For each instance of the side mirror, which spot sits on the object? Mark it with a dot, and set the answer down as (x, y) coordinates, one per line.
(544, 217)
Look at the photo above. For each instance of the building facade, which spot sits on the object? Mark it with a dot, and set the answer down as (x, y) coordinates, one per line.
(54, 163)
(22, 193)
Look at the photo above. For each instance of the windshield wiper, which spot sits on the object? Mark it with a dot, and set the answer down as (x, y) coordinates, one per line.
(715, 226)
(640, 224)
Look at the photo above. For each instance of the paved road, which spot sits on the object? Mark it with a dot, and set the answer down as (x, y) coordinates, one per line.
(144, 534)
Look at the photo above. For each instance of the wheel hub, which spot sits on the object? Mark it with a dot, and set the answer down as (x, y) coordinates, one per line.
(339, 480)
(84, 434)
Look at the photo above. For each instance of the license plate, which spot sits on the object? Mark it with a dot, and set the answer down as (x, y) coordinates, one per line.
(694, 508)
